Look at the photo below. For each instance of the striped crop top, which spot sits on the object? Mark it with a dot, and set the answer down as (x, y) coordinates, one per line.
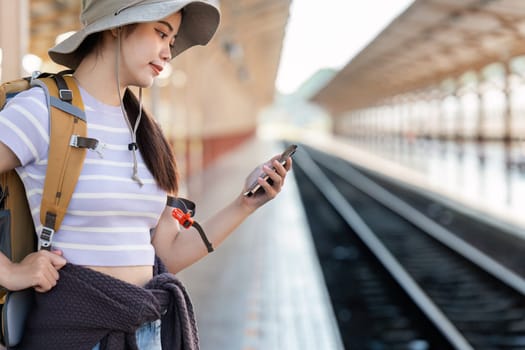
(110, 217)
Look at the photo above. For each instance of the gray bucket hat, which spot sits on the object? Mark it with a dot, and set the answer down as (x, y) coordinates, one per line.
(199, 23)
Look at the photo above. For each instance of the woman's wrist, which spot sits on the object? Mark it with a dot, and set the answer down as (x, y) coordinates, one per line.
(5, 272)
(244, 205)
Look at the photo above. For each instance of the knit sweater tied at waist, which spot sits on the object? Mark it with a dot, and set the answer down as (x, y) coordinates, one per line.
(87, 307)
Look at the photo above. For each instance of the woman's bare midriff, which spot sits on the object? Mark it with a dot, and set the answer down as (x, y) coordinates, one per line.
(138, 275)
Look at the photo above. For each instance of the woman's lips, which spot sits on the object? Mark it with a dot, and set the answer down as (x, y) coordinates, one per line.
(156, 68)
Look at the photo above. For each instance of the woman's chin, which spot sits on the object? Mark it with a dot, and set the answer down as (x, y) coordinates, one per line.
(144, 83)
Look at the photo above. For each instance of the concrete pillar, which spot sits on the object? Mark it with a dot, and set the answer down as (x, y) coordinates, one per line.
(14, 37)
(480, 127)
(399, 123)
(507, 121)
(459, 121)
(375, 125)
(441, 115)
(507, 116)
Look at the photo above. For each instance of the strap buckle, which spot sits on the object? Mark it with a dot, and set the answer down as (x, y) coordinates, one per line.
(35, 74)
(73, 141)
(46, 238)
(65, 95)
(86, 142)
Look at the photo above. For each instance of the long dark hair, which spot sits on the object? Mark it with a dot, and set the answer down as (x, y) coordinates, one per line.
(153, 145)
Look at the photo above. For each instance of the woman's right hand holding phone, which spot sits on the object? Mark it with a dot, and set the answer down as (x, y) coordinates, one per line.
(270, 178)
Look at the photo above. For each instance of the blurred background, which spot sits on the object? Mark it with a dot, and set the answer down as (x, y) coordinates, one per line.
(268, 59)
(429, 94)
(430, 84)
(384, 73)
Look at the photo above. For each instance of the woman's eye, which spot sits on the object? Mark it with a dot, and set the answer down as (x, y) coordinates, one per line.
(161, 34)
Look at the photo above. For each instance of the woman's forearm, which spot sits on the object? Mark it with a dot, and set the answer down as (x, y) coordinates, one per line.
(223, 223)
(179, 248)
(185, 247)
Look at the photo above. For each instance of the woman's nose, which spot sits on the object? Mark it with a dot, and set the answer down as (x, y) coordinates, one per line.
(165, 54)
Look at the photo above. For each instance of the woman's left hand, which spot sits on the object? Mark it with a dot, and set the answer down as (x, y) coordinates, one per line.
(276, 173)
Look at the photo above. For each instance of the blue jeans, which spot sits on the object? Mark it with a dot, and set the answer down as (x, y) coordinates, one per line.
(148, 337)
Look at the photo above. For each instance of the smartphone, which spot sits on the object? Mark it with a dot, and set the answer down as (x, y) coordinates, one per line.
(254, 187)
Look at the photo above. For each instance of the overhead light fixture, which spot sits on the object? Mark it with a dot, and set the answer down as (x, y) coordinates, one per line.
(31, 63)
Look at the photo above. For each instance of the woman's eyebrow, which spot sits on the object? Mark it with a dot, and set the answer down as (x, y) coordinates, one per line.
(166, 24)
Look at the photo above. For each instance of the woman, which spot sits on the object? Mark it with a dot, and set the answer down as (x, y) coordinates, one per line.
(101, 287)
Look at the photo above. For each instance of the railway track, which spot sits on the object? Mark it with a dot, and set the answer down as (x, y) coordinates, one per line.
(398, 279)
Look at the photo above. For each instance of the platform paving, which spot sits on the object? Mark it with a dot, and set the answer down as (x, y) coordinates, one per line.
(263, 288)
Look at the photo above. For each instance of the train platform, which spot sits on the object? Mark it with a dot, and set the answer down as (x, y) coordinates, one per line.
(263, 287)
(489, 191)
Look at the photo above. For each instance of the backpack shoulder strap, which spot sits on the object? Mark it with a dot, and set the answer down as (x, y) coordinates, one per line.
(66, 157)
(16, 223)
(13, 87)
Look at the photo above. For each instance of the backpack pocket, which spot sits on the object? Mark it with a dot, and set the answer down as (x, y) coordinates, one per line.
(14, 315)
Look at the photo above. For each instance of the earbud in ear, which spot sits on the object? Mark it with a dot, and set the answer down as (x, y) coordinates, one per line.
(115, 31)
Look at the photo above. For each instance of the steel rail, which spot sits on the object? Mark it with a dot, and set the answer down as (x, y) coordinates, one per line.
(390, 263)
(429, 226)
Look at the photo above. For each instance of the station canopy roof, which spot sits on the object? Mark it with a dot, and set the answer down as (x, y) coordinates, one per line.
(431, 41)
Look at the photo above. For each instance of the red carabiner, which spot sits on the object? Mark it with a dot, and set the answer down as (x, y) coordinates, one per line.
(183, 219)
(186, 221)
